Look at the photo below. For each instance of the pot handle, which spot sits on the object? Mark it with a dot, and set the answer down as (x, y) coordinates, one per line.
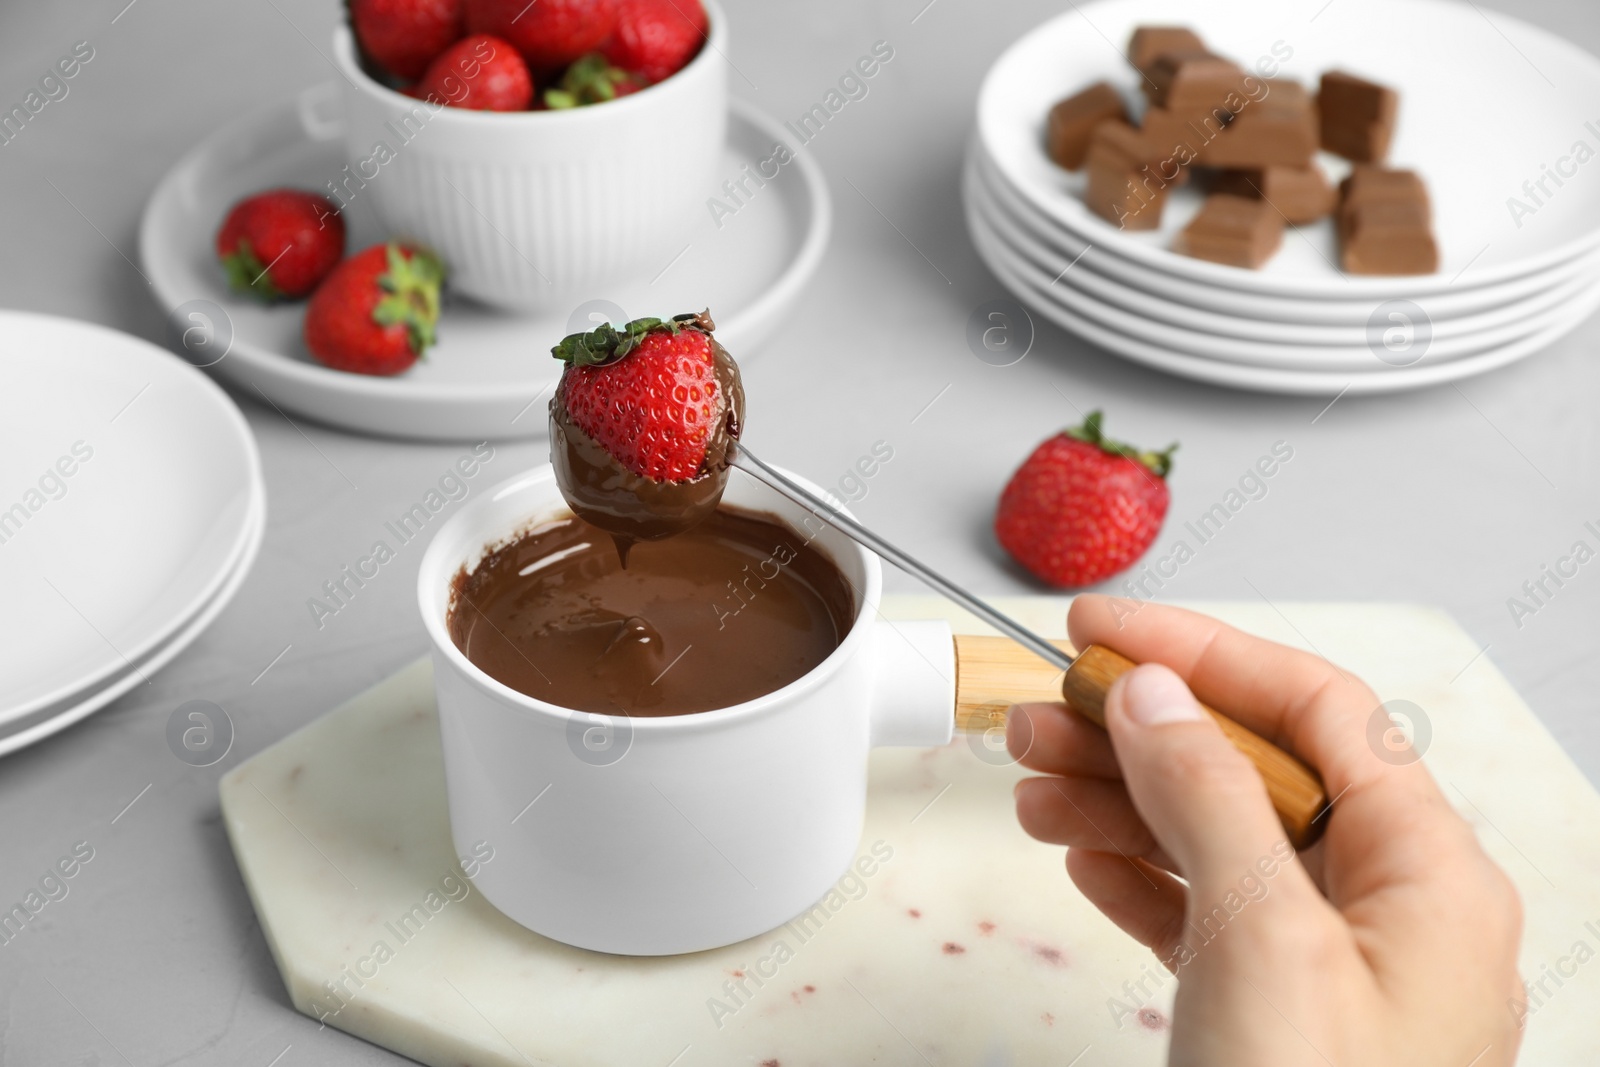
(914, 687)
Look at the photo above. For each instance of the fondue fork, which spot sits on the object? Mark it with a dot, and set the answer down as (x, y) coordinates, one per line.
(1297, 792)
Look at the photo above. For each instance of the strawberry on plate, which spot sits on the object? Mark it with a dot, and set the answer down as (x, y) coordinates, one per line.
(656, 395)
(280, 243)
(656, 38)
(377, 312)
(404, 36)
(549, 33)
(1082, 508)
(480, 72)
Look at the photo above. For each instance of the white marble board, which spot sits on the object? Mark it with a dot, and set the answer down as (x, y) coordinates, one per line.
(966, 945)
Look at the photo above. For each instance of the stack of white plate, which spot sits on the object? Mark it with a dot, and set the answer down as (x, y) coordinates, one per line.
(1492, 115)
(131, 509)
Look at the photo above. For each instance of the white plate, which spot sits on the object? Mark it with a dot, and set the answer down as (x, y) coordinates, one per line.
(1381, 379)
(18, 735)
(1360, 358)
(1294, 342)
(489, 368)
(1146, 317)
(1479, 72)
(131, 671)
(1262, 311)
(109, 562)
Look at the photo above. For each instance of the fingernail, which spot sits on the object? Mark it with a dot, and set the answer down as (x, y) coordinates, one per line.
(1154, 696)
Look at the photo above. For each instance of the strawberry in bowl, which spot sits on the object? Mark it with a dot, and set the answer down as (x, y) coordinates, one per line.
(404, 36)
(530, 209)
(480, 73)
(550, 34)
(655, 39)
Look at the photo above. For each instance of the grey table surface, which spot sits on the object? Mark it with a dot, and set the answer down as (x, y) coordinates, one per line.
(1452, 497)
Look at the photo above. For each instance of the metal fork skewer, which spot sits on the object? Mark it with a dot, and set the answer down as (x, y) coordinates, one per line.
(742, 458)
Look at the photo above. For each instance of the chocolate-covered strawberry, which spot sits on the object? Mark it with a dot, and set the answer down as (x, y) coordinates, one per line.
(1083, 507)
(642, 424)
(279, 244)
(377, 312)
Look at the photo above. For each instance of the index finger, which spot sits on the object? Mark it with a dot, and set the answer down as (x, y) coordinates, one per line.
(1297, 700)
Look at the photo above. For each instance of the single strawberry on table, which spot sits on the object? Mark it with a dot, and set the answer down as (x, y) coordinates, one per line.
(480, 72)
(1082, 507)
(549, 33)
(280, 243)
(377, 312)
(656, 38)
(404, 36)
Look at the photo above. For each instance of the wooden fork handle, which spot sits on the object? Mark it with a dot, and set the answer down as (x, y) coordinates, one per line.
(989, 668)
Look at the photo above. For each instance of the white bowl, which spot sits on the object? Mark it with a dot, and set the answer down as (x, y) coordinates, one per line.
(535, 210)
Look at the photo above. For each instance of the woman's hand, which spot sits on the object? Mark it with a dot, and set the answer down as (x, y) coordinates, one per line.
(1393, 941)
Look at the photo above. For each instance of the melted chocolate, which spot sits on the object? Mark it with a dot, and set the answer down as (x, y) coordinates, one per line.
(633, 507)
(733, 609)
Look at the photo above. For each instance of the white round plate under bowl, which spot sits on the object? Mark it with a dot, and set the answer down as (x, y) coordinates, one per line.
(21, 733)
(747, 262)
(1256, 314)
(128, 487)
(1483, 71)
(1383, 378)
(1174, 327)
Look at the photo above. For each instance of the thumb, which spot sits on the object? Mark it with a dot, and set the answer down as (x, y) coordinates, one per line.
(1203, 800)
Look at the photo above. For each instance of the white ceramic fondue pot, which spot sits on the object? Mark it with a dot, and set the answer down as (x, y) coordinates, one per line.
(658, 835)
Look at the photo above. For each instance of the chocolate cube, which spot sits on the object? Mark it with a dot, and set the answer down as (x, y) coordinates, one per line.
(1073, 119)
(1386, 223)
(1300, 194)
(1368, 185)
(1235, 230)
(1358, 117)
(1184, 136)
(1278, 129)
(1388, 239)
(1195, 83)
(1128, 177)
(1150, 43)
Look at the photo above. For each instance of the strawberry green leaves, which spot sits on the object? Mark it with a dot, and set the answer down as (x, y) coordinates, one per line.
(1159, 463)
(608, 343)
(247, 274)
(590, 80)
(411, 295)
